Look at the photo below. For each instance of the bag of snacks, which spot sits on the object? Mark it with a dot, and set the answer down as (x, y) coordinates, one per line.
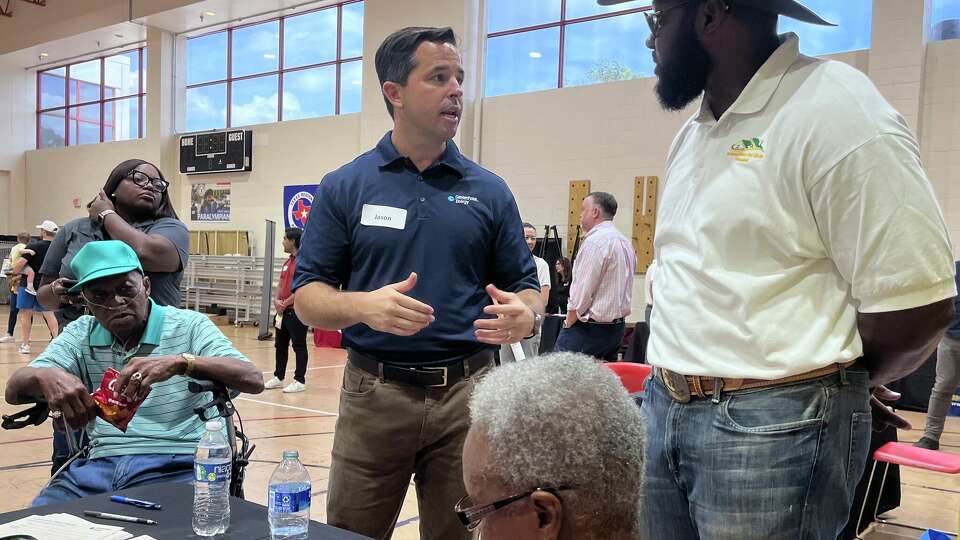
(117, 410)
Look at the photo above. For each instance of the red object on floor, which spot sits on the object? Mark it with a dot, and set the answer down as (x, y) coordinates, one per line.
(633, 376)
(327, 338)
(919, 458)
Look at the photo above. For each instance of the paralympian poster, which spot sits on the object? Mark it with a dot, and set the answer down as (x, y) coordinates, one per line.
(210, 202)
(297, 201)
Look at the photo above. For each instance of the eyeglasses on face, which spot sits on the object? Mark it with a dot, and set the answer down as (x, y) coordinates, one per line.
(471, 514)
(655, 18)
(115, 298)
(142, 180)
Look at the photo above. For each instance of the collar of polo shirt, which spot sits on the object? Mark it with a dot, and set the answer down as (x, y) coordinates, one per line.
(764, 83)
(389, 155)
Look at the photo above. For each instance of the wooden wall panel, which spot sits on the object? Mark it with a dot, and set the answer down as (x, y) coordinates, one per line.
(579, 189)
(644, 219)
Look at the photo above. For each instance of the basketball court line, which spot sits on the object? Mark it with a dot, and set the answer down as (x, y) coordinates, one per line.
(50, 438)
(308, 369)
(315, 411)
(261, 419)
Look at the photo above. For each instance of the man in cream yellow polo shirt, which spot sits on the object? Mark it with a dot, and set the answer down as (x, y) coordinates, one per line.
(802, 260)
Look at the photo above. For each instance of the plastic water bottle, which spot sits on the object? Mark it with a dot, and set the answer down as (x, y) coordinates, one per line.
(288, 499)
(211, 487)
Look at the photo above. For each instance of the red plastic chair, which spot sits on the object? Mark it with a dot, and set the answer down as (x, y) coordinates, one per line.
(633, 376)
(907, 455)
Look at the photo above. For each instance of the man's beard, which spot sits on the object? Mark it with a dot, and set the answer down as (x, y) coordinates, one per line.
(683, 77)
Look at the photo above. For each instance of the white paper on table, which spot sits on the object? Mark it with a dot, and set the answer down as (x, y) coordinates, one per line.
(60, 526)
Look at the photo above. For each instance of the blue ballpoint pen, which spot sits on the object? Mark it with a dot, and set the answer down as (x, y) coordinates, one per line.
(135, 502)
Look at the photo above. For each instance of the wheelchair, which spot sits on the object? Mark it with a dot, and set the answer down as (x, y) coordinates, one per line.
(241, 447)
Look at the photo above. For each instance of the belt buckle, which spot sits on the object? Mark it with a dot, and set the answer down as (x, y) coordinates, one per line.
(434, 369)
(676, 385)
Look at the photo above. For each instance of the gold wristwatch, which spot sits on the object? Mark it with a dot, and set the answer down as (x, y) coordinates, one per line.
(190, 360)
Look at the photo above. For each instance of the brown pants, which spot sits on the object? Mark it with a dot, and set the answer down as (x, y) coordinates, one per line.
(387, 432)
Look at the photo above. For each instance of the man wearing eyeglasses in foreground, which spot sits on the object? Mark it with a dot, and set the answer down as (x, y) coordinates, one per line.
(153, 347)
(554, 451)
(802, 260)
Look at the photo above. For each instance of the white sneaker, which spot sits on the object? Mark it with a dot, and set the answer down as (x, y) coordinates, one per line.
(273, 383)
(30, 290)
(295, 386)
(24, 348)
(7, 339)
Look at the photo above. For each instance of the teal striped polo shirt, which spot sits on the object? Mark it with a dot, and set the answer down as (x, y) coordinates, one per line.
(165, 422)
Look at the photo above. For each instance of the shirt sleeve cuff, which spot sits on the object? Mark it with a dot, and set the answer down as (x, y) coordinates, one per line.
(941, 291)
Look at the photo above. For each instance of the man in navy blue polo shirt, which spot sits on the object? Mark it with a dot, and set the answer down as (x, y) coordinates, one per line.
(418, 254)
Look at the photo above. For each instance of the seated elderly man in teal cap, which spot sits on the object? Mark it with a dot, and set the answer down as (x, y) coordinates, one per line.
(153, 347)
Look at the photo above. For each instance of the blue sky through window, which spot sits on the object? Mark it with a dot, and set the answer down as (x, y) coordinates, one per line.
(207, 58)
(945, 10)
(309, 93)
(854, 20)
(523, 62)
(308, 39)
(254, 101)
(607, 50)
(351, 45)
(256, 49)
(509, 14)
(206, 107)
(351, 85)
(614, 49)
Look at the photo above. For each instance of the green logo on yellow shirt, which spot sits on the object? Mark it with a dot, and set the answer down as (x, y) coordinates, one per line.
(745, 150)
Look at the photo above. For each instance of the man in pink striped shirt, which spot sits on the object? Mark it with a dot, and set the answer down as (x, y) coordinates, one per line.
(602, 286)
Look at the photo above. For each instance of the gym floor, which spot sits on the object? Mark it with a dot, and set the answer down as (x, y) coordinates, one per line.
(306, 421)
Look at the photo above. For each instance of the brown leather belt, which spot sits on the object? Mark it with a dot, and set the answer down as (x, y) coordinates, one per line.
(704, 386)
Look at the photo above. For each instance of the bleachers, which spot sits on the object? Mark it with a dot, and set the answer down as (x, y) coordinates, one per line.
(229, 282)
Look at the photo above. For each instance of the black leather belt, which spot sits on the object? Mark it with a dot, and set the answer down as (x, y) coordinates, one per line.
(423, 376)
(615, 321)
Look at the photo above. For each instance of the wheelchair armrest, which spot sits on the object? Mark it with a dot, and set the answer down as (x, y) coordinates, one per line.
(221, 399)
(34, 416)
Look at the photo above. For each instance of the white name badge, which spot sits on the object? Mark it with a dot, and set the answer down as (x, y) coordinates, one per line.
(374, 215)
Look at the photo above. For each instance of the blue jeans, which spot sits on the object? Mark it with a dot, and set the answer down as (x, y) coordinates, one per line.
(769, 463)
(86, 477)
(597, 340)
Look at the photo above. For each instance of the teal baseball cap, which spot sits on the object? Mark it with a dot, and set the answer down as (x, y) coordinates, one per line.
(102, 259)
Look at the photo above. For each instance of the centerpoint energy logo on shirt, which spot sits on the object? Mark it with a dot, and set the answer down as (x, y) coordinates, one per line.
(746, 150)
(462, 199)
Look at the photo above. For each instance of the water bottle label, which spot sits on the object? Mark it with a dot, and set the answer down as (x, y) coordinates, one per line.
(209, 473)
(284, 501)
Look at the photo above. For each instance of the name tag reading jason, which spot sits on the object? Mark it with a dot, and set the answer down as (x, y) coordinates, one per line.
(374, 215)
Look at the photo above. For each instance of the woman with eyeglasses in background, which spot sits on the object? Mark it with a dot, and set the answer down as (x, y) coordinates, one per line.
(134, 207)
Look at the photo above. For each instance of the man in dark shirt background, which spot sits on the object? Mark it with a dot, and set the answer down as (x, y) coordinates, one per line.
(428, 249)
(26, 300)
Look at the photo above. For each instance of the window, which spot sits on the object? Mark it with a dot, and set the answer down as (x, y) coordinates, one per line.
(854, 27)
(94, 101)
(542, 44)
(299, 66)
(945, 19)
